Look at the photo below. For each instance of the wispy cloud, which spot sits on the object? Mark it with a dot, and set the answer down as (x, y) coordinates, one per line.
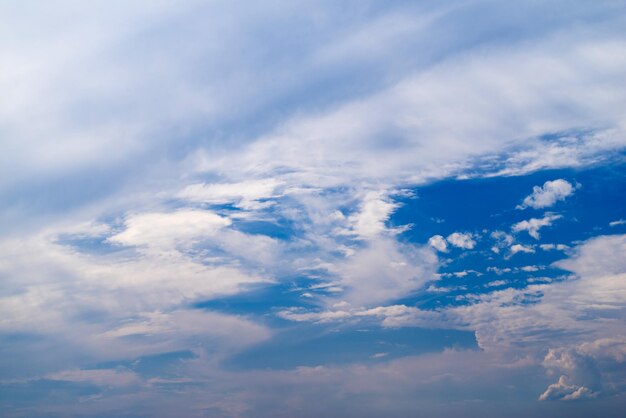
(533, 225)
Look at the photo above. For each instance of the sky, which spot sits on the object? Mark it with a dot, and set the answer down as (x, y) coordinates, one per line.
(312, 209)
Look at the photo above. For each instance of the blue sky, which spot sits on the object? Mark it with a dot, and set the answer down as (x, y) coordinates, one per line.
(355, 208)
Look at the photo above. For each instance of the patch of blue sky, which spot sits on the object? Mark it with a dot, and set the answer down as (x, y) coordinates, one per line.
(19, 346)
(263, 300)
(318, 344)
(90, 245)
(281, 229)
(481, 206)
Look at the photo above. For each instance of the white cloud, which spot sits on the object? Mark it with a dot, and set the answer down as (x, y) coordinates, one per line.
(533, 225)
(616, 223)
(503, 240)
(389, 316)
(568, 151)
(136, 291)
(438, 242)
(550, 247)
(166, 230)
(496, 283)
(374, 210)
(581, 315)
(426, 105)
(563, 391)
(505, 317)
(384, 270)
(598, 257)
(531, 268)
(579, 318)
(246, 194)
(462, 240)
(546, 196)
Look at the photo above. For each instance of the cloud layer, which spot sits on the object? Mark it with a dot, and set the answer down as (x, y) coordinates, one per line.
(185, 182)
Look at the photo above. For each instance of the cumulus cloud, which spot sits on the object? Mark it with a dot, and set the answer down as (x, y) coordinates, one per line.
(531, 268)
(533, 225)
(166, 230)
(562, 391)
(439, 243)
(384, 270)
(462, 240)
(548, 194)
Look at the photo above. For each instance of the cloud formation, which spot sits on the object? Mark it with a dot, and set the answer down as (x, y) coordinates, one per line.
(533, 225)
(438, 242)
(461, 240)
(547, 195)
(563, 391)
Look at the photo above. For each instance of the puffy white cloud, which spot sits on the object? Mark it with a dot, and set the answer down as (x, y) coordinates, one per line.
(384, 270)
(579, 317)
(168, 229)
(563, 391)
(533, 225)
(597, 291)
(374, 210)
(546, 196)
(462, 240)
(618, 222)
(439, 243)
